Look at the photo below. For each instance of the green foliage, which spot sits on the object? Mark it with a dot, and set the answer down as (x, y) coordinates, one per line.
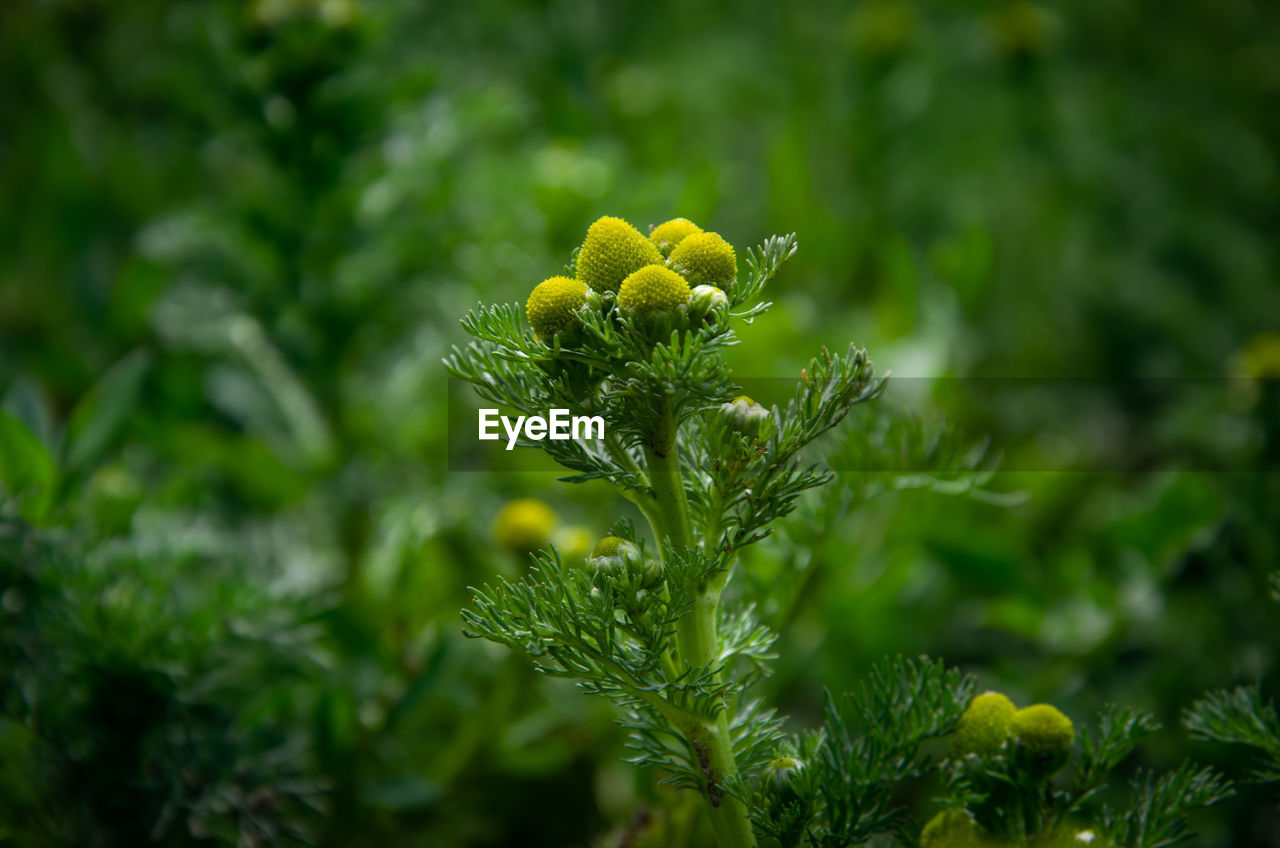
(1020, 795)
(265, 217)
(128, 685)
(1158, 817)
(1239, 717)
(872, 741)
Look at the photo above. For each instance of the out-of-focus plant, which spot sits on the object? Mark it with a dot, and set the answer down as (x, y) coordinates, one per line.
(1241, 717)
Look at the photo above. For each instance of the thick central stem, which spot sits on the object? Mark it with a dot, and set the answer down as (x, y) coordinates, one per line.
(698, 640)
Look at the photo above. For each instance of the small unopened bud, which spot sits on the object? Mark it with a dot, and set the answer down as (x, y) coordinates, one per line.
(648, 574)
(746, 416)
(612, 561)
(781, 771)
(706, 302)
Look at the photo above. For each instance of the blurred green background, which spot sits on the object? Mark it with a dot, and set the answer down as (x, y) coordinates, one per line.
(236, 239)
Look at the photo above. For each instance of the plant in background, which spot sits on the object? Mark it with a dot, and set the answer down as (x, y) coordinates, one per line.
(1241, 717)
(1014, 778)
(635, 333)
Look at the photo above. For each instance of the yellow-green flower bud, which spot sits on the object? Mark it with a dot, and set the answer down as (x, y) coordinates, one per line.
(667, 235)
(745, 416)
(611, 558)
(984, 727)
(611, 546)
(781, 771)
(612, 250)
(1042, 729)
(652, 290)
(704, 301)
(553, 306)
(706, 258)
(523, 525)
(951, 829)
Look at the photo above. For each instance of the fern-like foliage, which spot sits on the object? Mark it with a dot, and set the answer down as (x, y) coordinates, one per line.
(1158, 816)
(1239, 717)
(870, 744)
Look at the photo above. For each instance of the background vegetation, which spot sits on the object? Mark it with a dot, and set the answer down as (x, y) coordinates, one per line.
(236, 241)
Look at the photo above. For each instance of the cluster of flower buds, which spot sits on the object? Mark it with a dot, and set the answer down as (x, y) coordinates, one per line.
(1038, 737)
(618, 567)
(675, 278)
(1036, 741)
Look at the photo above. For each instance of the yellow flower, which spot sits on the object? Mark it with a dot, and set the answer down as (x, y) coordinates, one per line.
(1260, 358)
(553, 306)
(669, 234)
(706, 258)
(951, 829)
(1042, 729)
(523, 525)
(612, 250)
(651, 290)
(984, 726)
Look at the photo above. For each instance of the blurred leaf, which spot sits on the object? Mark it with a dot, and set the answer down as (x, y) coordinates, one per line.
(408, 792)
(100, 414)
(26, 467)
(26, 401)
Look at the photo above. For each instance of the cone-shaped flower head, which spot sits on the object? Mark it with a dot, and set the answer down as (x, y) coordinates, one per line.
(611, 546)
(667, 235)
(523, 525)
(706, 258)
(651, 290)
(951, 829)
(612, 250)
(1042, 729)
(984, 726)
(553, 306)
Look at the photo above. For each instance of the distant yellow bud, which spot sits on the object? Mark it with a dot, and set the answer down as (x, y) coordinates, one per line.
(951, 829)
(706, 258)
(667, 235)
(573, 542)
(612, 250)
(651, 290)
(984, 726)
(1042, 729)
(553, 306)
(523, 525)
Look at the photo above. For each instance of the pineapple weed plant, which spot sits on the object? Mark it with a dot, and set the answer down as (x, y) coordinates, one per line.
(634, 332)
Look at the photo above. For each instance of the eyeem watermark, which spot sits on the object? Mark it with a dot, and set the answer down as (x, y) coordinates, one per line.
(558, 424)
(1028, 425)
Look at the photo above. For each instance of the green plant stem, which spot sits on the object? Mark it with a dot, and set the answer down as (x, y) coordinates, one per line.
(698, 640)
